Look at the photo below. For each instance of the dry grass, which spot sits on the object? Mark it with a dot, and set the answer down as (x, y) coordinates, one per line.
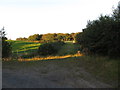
(49, 57)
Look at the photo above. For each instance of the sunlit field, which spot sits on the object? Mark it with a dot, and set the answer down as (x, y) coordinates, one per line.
(24, 46)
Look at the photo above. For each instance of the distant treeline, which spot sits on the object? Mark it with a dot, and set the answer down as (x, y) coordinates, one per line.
(49, 37)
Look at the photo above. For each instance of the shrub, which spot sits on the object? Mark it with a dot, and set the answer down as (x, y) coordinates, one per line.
(6, 46)
(6, 49)
(49, 48)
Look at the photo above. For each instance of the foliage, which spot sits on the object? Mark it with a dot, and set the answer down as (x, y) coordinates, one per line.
(46, 49)
(49, 37)
(78, 37)
(69, 49)
(6, 49)
(116, 13)
(65, 37)
(50, 48)
(22, 39)
(102, 36)
(52, 37)
(6, 46)
(35, 37)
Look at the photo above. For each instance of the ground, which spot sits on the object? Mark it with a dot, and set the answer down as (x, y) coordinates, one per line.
(48, 74)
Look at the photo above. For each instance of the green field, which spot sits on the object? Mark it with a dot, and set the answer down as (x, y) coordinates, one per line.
(24, 46)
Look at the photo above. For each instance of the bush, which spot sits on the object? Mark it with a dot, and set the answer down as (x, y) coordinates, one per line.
(78, 37)
(49, 48)
(57, 44)
(6, 46)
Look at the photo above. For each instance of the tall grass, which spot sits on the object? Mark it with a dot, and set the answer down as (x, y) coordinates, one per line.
(103, 68)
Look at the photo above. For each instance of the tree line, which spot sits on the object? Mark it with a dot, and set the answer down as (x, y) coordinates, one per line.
(49, 37)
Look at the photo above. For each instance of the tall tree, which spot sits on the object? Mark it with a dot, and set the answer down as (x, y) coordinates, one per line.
(6, 47)
(102, 36)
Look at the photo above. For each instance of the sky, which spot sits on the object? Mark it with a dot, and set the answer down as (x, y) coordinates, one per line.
(22, 18)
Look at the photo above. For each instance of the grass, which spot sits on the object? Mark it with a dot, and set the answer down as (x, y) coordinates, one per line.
(24, 46)
(103, 68)
(69, 48)
(48, 58)
(25, 49)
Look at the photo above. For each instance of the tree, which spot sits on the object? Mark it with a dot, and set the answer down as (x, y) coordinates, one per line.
(49, 37)
(68, 37)
(78, 37)
(22, 39)
(6, 46)
(35, 37)
(102, 36)
(116, 13)
(116, 34)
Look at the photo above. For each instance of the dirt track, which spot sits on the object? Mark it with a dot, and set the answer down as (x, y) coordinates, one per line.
(50, 76)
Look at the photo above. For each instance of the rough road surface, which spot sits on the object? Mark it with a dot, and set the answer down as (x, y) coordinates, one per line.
(50, 76)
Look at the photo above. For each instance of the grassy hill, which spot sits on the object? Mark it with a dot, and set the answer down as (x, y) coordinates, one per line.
(24, 46)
